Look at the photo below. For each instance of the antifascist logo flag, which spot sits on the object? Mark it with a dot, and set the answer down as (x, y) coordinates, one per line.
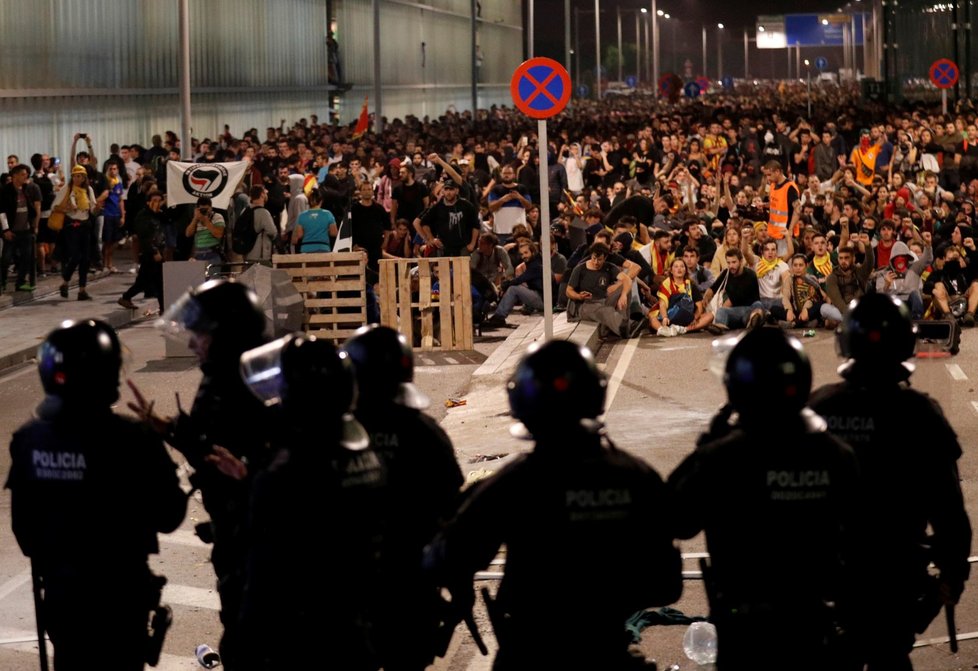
(186, 182)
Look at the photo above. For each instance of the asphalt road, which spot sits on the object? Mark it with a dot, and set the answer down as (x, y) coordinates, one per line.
(661, 396)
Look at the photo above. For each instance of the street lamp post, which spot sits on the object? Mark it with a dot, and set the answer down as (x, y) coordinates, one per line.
(655, 46)
(620, 64)
(597, 46)
(808, 87)
(704, 49)
(719, 52)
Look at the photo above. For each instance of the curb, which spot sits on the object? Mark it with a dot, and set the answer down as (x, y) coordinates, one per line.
(117, 319)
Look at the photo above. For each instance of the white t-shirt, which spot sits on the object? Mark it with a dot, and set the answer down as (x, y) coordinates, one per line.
(575, 176)
(769, 286)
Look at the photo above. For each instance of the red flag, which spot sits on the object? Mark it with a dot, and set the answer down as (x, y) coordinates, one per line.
(363, 123)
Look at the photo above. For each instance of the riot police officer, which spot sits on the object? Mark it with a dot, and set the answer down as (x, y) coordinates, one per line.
(423, 483)
(90, 490)
(323, 490)
(585, 526)
(908, 456)
(774, 496)
(221, 319)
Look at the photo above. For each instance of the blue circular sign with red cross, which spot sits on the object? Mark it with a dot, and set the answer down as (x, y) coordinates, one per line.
(944, 73)
(704, 83)
(540, 88)
(665, 84)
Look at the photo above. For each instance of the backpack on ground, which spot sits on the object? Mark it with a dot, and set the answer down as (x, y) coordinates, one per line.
(244, 235)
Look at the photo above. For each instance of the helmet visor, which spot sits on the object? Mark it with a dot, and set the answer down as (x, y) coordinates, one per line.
(183, 316)
(261, 370)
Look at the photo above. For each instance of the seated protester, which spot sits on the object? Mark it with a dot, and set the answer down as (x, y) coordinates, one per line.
(902, 279)
(740, 300)
(521, 233)
(660, 255)
(731, 240)
(953, 285)
(680, 302)
(802, 297)
(771, 270)
(694, 236)
(639, 232)
(491, 260)
(700, 276)
(822, 261)
(526, 287)
(598, 291)
(884, 245)
(559, 229)
(622, 244)
(398, 245)
(847, 282)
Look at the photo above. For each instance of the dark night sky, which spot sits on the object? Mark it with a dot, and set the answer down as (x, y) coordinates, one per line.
(682, 39)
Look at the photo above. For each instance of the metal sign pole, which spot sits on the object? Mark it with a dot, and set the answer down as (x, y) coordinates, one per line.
(943, 101)
(548, 290)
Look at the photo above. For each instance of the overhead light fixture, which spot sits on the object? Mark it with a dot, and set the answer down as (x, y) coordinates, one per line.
(760, 29)
(720, 26)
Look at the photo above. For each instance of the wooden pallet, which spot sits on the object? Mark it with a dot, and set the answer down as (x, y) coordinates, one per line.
(429, 322)
(333, 288)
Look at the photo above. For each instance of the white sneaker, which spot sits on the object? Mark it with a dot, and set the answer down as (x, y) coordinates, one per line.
(666, 331)
(680, 330)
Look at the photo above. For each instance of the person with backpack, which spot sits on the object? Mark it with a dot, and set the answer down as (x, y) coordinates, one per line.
(255, 232)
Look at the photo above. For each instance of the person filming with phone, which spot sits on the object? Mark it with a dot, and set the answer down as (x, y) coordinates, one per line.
(207, 229)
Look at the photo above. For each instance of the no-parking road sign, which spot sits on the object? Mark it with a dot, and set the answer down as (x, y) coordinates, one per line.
(944, 73)
(540, 88)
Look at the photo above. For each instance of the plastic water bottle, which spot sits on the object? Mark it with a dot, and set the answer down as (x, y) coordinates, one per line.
(207, 657)
(700, 643)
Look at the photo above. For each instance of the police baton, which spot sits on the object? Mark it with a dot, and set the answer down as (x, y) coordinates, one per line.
(952, 629)
(42, 646)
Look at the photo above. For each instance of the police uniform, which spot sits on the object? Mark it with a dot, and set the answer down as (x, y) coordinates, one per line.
(584, 524)
(89, 492)
(324, 489)
(908, 456)
(422, 493)
(776, 499)
(775, 511)
(909, 480)
(225, 413)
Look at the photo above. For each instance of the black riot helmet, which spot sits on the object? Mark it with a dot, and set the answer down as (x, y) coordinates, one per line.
(384, 365)
(79, 362)
(226, 310)
(310, 380)
(768, 376)
(556, 385)
(877, 332)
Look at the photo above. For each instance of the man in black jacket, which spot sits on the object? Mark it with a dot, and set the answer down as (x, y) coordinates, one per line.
(20, 216)
(526, 287)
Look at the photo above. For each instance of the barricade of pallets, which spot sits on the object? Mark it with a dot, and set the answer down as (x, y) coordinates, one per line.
(333, 288)
(430, 320)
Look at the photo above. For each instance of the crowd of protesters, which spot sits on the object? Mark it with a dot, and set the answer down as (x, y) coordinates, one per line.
(775, 216)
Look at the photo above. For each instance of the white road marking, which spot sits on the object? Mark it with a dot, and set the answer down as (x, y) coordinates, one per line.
(15, 583)
(974, 404)
(955, 371)
(193, 597)
(620, 369)
(182, 537)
